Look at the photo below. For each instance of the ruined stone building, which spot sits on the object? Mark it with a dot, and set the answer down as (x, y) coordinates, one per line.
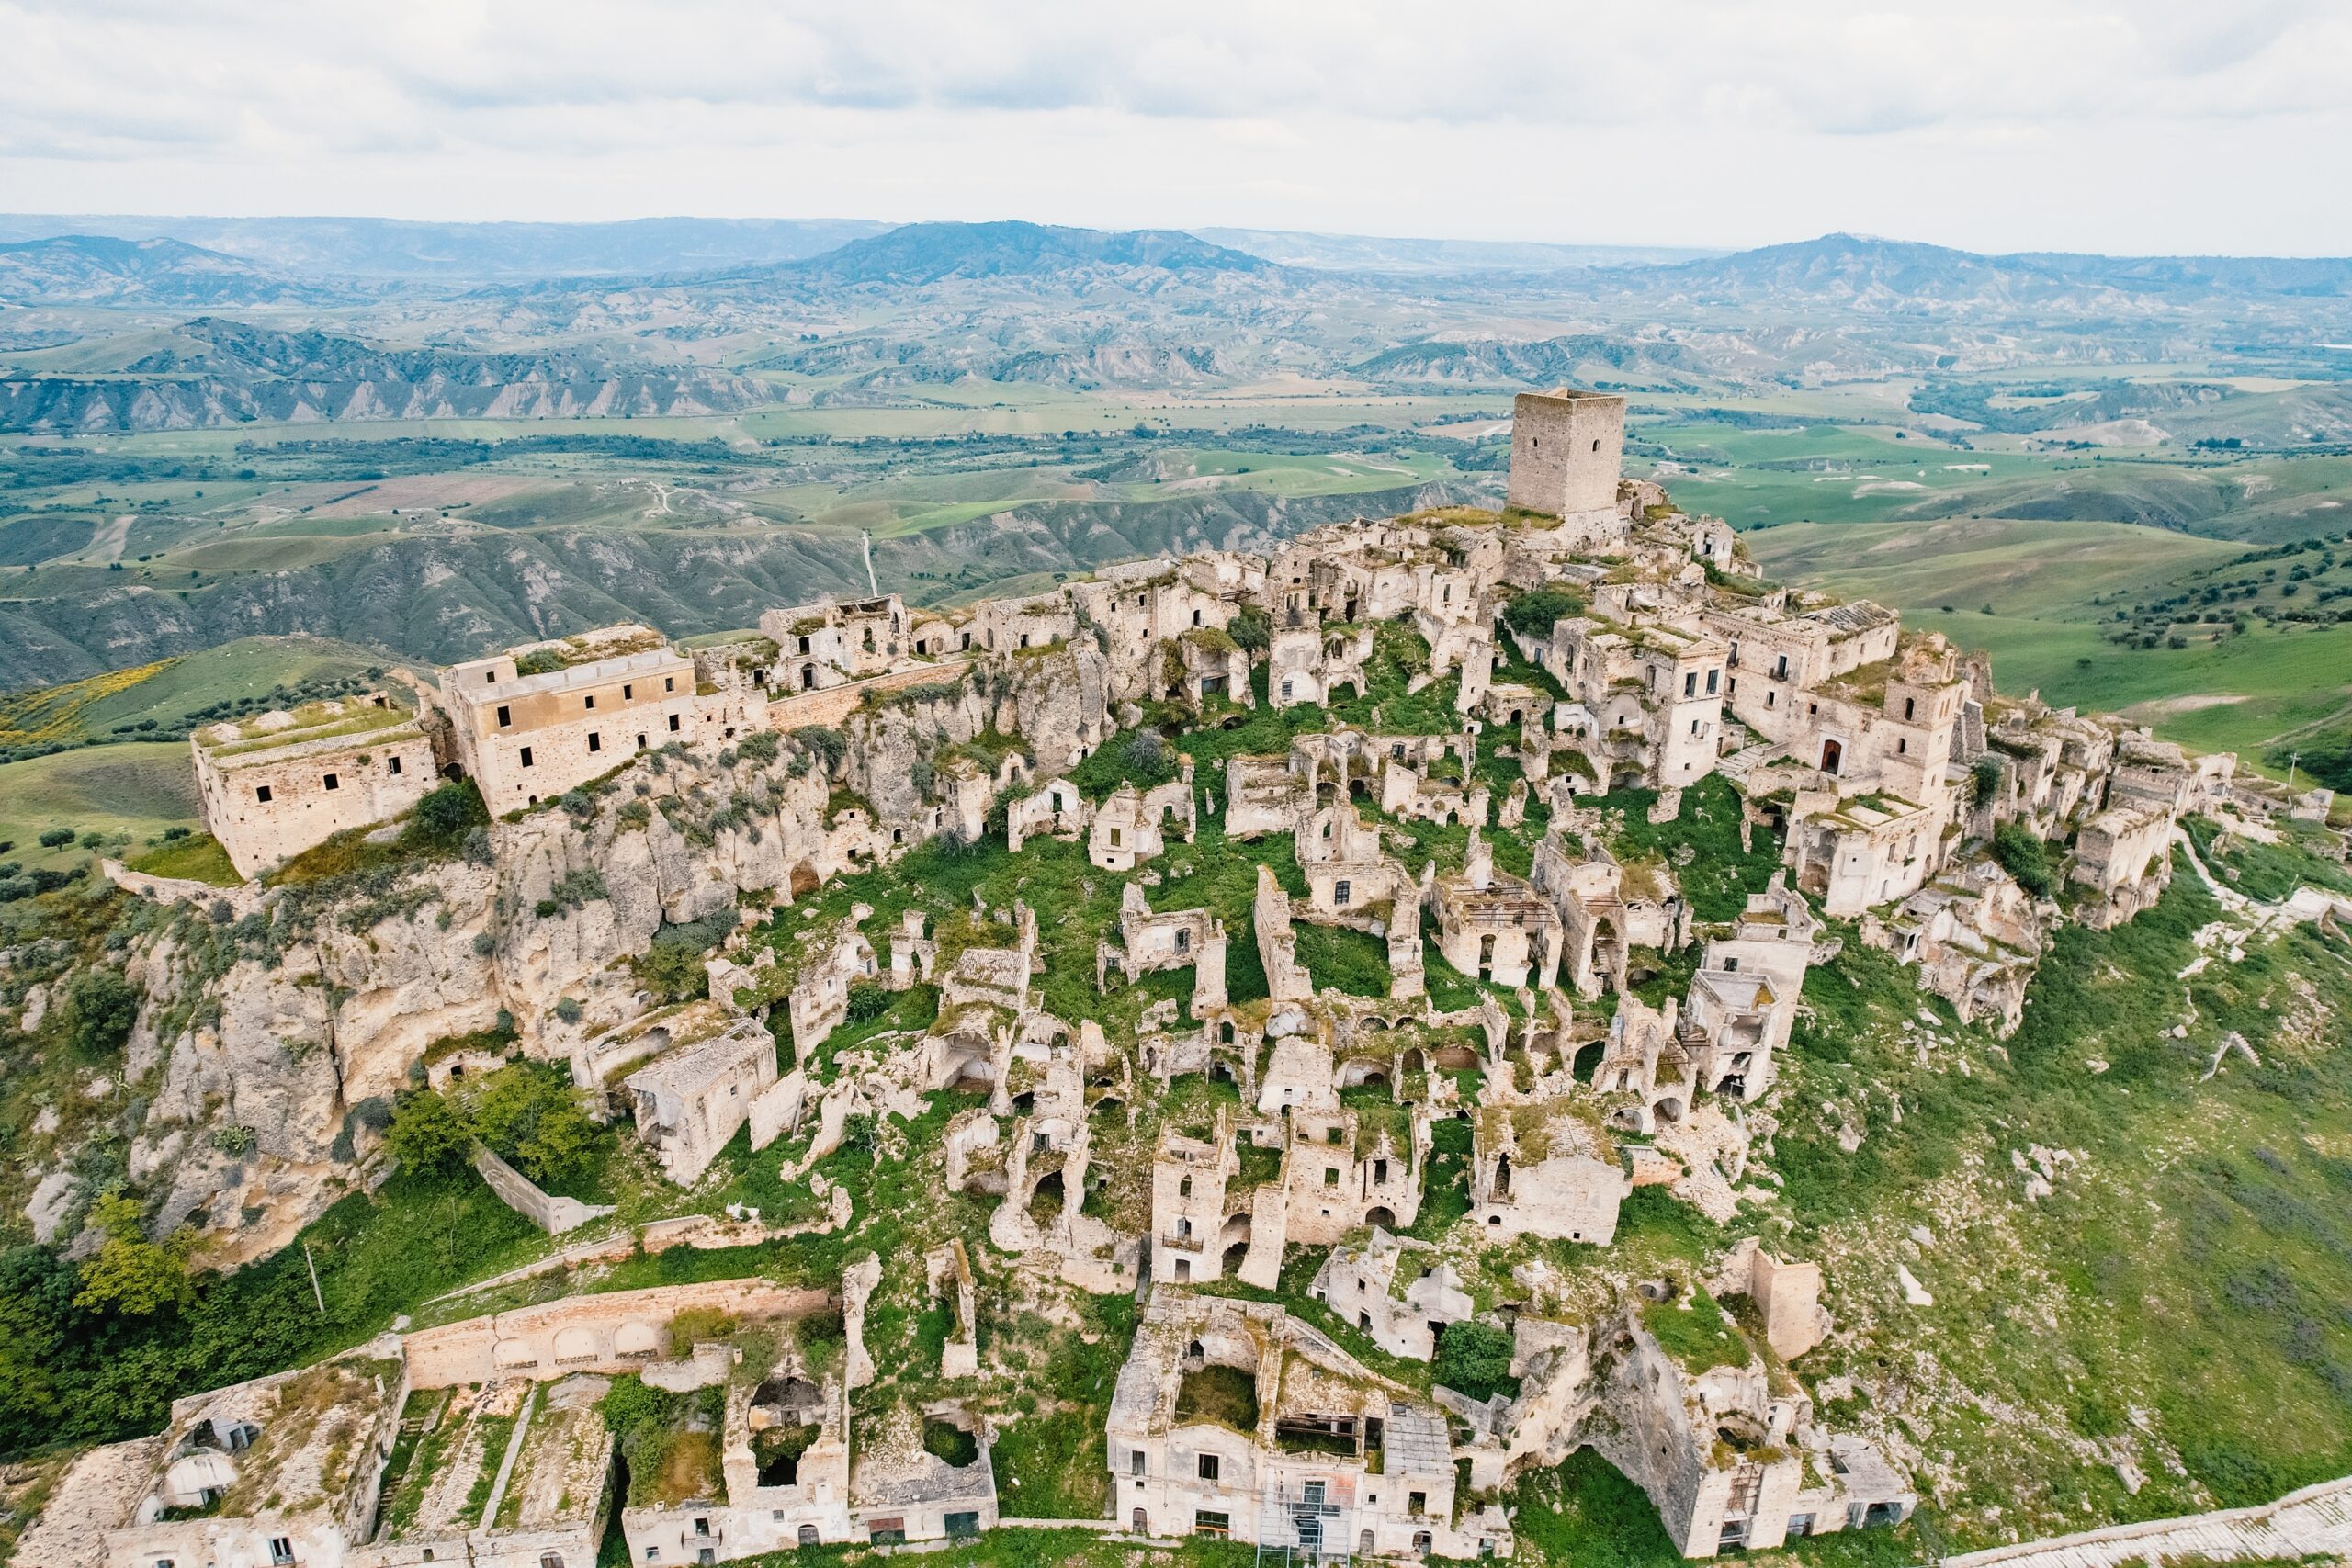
(1744, 999)
(818, 1002)
(689, 1101)
(1566, 452)
(1496, 926)
(2121, 857)
(1544, 1170)
(280, 1470)
(1607, 909)
(831, 644)
(1131, 826)
(272, 786)
(1180, 939)
(1400, 1292)
(1234, 1419)
(1310, 662)
(1055, 810)
(1730, 1455)
(1975, 936)
(1265, 795)
(1646, 698)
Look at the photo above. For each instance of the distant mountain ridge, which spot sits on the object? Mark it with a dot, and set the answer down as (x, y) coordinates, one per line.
(1369, 253)
(1865, 272)
(916, 254)
(96, 269)
(386, 248)
(216, 372)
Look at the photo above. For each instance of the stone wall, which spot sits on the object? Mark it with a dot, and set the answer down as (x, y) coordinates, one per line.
(552, 1213)
(314, 792)
(617, 1332)
(833, 705)
(1565, 451)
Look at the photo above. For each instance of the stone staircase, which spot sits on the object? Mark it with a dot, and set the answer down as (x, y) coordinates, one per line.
(2313, 1522)
(1747, 760)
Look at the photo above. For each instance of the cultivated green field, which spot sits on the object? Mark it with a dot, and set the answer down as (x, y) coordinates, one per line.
(126, 795)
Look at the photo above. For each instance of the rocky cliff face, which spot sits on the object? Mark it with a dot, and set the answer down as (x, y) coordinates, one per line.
(272, 1047)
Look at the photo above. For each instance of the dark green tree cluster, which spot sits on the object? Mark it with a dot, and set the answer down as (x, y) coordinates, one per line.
(526, 1113)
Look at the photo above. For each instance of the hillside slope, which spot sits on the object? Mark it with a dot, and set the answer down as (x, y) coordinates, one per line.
(212, 371)
(93, 269)
(443, 598)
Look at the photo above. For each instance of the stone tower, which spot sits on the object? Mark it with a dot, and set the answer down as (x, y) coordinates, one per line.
(1567, 448)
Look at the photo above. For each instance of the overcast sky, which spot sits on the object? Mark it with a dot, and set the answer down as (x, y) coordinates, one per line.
(2122, 126)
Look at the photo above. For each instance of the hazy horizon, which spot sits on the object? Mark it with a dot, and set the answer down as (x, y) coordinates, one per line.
(2021, 125)
(57, 224)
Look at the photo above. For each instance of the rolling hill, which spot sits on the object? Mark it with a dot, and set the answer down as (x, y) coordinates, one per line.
(213, 371)
(1864, 273)
(92, 270)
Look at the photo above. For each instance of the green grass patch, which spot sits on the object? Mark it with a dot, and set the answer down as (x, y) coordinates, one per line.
(197, 857)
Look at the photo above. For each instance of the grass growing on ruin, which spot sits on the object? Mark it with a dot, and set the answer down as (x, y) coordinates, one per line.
(2264, 871)
(1337, 959)
(1225, 1396)
(1696, 1331)
(197, 857)
(1700, 844)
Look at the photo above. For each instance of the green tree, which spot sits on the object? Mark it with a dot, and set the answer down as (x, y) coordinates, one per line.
(673, 972)
(443, 815)
(531, 1117)
(130, 1275)
(2025, 857)
(100, 1008)
(1473, 1359)
(428, 1134)
(1983, 779)
(1531, 614)
(1249, 629)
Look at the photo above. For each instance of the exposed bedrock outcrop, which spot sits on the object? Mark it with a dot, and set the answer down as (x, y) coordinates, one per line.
(266, 1074)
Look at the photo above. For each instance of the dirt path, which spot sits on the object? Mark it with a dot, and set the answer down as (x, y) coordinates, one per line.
(107, 546)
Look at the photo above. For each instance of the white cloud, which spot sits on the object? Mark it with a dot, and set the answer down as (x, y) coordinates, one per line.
(2078, 123)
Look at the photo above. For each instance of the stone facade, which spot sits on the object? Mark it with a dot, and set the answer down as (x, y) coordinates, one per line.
(523, 739)
(1301, 1472)
(1566, 451)
(1398, 1292)
(269, 788)
(690, 1102)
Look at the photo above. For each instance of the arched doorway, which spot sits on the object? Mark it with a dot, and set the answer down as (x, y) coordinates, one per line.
(1832, 754)
(1046, 1198)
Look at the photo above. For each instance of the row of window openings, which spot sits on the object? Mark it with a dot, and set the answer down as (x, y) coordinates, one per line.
(332, 781)
(628, 693)
(596, 742)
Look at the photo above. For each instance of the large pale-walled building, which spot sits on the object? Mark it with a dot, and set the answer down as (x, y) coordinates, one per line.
(589, 704)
